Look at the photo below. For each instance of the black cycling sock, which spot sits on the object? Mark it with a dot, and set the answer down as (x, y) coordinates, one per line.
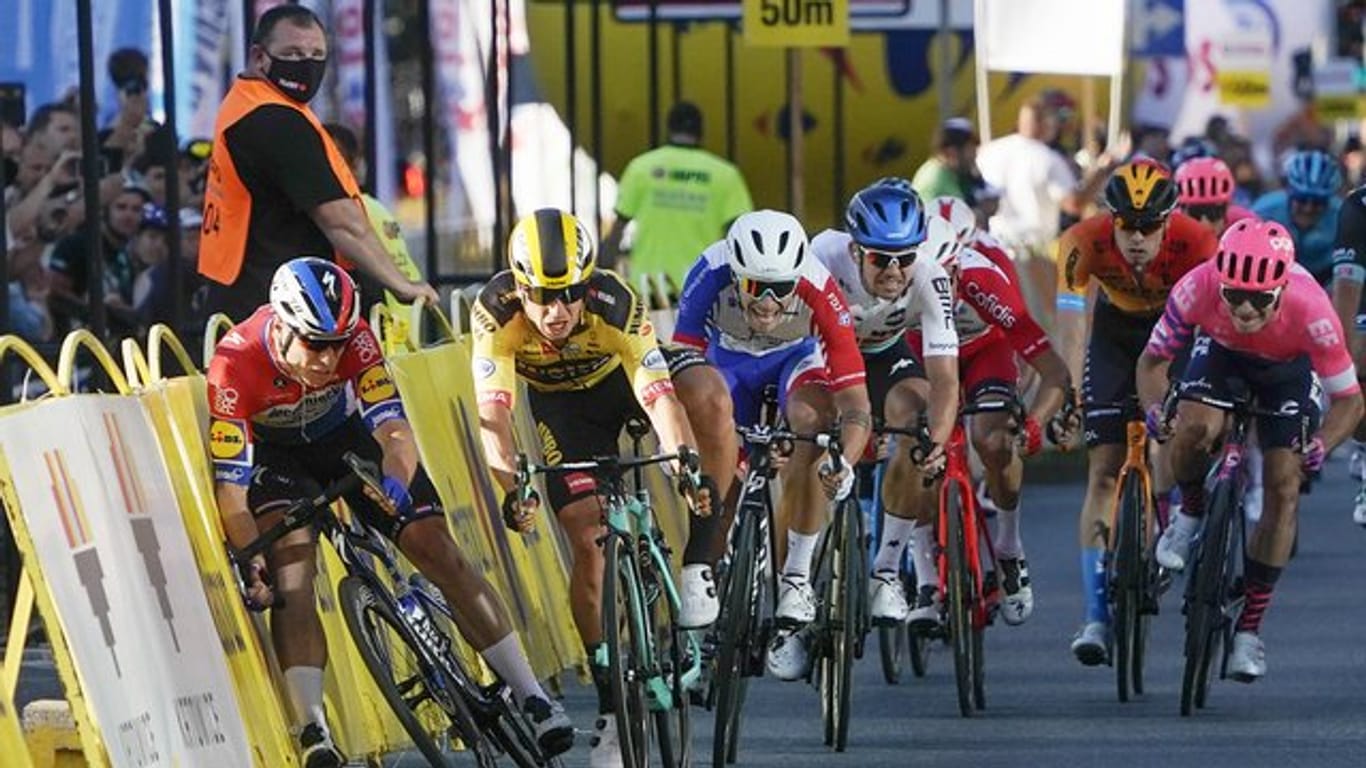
(602, 679)
(1260, 580)
(701, 538)
(1193, 497)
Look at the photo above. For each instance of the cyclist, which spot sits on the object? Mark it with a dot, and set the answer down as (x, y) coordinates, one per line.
(1264, 323)
(1135, 252)
(994, 327)
(885, 263)
(1349, 269)
(964, 222)
(751, 303)
(1205, 193)
(1308, 207)
(580, 339)
(290, 391)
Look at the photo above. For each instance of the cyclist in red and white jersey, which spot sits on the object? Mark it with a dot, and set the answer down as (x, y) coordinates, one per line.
(293, 389)
(1264, 324)
(994, 326)
(964, 222)
(887, 264)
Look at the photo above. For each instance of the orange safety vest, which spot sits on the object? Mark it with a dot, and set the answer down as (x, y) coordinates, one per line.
(227, 201)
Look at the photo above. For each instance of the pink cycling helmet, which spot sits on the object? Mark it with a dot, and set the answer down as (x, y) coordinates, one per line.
(1204, 181)
(1255, 256)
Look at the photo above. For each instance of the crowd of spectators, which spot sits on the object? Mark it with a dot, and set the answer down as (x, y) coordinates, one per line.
(45, 236)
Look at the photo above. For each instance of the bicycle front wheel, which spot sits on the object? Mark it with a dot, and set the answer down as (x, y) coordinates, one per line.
(625, 634)
(671, 646)
(1204, 599)
(890, 642)
(736, 634)
(960, 599)
(1127, 575)
(421, 703)
(849, 615)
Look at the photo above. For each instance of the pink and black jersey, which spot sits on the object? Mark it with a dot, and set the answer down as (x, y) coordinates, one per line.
(252, 400)
(1306, 324)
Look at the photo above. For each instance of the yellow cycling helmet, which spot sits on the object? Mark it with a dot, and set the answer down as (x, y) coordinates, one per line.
(1141, 190)
(551, 249)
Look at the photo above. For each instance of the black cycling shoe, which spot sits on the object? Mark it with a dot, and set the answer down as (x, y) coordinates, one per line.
(554, 732)
(317, 749)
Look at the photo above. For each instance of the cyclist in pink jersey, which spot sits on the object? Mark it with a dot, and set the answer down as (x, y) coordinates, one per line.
(1264, 324)
(1205, 193)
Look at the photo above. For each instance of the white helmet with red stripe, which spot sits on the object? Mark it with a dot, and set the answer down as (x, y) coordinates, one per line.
(958, 214)
(941, 243)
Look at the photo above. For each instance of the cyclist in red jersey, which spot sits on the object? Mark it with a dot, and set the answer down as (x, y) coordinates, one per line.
(291, 390)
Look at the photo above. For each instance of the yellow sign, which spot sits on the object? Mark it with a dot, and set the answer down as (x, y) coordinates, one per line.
(1245, 88)
(1339, 107)
(796, 23)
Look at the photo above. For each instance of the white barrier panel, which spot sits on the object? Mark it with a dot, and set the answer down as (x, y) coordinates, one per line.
(110, 542)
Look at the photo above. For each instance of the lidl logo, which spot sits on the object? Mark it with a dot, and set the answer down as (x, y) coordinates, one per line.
(227, 439)
(376, 386)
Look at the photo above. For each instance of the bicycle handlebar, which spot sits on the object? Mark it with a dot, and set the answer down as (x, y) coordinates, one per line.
(301, 512)
(615, 465)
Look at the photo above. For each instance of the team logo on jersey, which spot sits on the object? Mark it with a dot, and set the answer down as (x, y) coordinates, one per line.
(366, 349)
(484, 367)
(654, 360)
(647, 329)
(228, 440)
(376, 386)
(225, 399)
(1323, 333)
(846, 319)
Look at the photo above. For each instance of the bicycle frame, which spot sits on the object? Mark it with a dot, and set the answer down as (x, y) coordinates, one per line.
(957, 472)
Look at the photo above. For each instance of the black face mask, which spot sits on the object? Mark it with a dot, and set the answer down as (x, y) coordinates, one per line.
(298, 79)
(11, 170)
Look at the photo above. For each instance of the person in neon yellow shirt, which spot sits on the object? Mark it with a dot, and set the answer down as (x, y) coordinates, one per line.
(381, 220)
(682, 199)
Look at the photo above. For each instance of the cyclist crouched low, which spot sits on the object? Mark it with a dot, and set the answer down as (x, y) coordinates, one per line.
(291, 390)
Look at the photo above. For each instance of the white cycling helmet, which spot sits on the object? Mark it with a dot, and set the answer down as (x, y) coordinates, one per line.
(959, 214)
(941, 243)
(766, 246)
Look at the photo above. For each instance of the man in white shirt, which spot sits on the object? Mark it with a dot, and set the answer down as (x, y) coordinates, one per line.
(1039, 185)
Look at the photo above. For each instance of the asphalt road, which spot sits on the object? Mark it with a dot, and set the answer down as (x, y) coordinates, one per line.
(1043, 709)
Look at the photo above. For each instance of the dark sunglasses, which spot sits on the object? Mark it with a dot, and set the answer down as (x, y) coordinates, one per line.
(758, 289)
(1309, 201)
(1259, 300)
(546, 296)
(323, 345)
(1143, 226)
(1214, 212)
(881, 260)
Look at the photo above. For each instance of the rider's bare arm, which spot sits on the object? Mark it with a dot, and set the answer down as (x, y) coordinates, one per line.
(942, 372)
(238, 525)
(395, 438)
(500, 447)
(1054, 382)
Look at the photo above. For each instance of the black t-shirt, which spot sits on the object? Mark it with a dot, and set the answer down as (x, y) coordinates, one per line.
(1350, 245)
(281, 159)
(70, 259)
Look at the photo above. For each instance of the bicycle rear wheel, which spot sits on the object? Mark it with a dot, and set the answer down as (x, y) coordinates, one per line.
(737, 627)
(891, 642)
(1127, 574)
(672, 726)
(625, 633)
(960, 601)
(919, 645)
(1204, 600)
(403, 677)
(843, 625)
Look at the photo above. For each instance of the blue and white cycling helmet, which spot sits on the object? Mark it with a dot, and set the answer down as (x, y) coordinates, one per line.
(1311, 173)
(316, 299)
(887, 215)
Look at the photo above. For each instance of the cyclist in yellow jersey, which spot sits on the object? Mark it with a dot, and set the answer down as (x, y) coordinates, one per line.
(581, 340)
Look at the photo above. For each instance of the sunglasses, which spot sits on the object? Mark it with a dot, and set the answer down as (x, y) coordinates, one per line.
(883, 260)
(1215, 212)
(1260, 300)
(546, 296)
(1143, 226)
(323, 345)
(1309, 201)
(758, 289)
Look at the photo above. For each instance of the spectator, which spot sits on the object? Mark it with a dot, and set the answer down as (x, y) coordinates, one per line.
(194, 168)
(1038, 185)
(1153, 142)
(119, 222)
(152, 295)
(148, 170)
(57, 126)
(278, 189)
(681, 197)
(950, 172)
(381, 220)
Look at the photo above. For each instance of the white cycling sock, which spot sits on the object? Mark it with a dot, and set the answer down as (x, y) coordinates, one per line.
(922, 555)
(305, 686)
(800, 548)
(1185, 522)
(1007, 538)
(506, 659)
(896, 534)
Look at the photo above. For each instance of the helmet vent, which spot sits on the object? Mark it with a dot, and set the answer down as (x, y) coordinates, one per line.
(758, 241)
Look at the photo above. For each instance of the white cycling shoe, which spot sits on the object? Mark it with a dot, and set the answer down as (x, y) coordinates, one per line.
(606, 747)
(788, 657)
(1174, 547)
(1359, 507)
(887, 603)
(1091, 646)
(796, 601)
(697, 593)
(1247, 658)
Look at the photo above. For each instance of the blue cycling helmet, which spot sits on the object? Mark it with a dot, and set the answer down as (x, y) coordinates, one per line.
(886, 215)
(1311, 173)
(1191, 148)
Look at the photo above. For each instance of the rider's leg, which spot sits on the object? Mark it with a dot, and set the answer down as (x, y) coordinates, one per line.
(1198, 429)
(1003, 470)
(707, 400)
(802, 506)
(901, 406)
(1272, 539)
(582, 524)
(296, 632)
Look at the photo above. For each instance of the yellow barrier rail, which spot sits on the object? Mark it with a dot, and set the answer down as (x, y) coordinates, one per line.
(161, 338)
(214, 328)
(13, 345)
(72, 345)
(134, 364)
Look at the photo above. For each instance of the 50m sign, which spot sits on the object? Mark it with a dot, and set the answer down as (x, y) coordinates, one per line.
(796, 23)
